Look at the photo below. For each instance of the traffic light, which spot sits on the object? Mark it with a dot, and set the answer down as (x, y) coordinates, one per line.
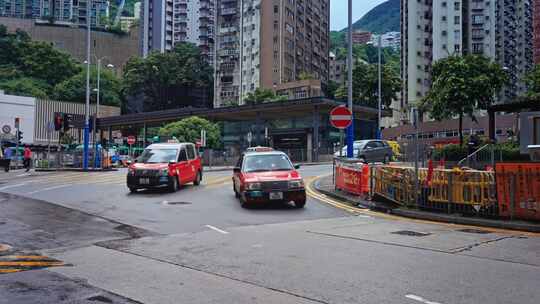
(67, 121)
(19, 136)
(58, 121)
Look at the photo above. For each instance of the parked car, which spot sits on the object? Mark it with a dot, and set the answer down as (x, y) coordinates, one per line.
(370, 150)
(263, 177)
(165, 165)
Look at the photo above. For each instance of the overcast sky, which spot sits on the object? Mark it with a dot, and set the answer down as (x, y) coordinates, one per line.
(338, 11)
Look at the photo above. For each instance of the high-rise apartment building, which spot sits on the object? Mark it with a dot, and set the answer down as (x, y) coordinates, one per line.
(268, 43)
(433, 30)
(65, 11)
(167, 22)
(536, 31)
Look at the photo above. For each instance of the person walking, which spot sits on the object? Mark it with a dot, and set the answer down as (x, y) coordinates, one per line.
(27, 157)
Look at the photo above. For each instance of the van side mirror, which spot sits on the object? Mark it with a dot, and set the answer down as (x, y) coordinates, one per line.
(236, 170)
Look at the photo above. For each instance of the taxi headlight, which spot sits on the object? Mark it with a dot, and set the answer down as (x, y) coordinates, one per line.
(296, 184)
(253, 186)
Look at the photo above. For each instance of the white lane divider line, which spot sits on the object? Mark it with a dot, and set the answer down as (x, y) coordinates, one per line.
(12, 186)
(49, 188)
(216, 229)
(24, 174)
(420, 299)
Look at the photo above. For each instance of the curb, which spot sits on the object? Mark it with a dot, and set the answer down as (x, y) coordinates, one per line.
(430, 216)
(76, 170)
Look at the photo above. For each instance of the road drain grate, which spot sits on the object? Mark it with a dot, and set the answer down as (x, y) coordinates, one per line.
(477, 231)
(410, 233)
(175, 203)
(100, 298)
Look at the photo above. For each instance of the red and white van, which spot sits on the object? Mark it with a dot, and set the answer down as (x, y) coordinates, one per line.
(165, 165)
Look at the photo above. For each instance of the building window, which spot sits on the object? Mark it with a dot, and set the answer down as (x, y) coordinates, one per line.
(289, 28)
(443, 18)
(456, 6)
(457, 20)
(276, 9)
(477, 19)
(457, 48)
(444, 4)
(477, 48)
(457, 35)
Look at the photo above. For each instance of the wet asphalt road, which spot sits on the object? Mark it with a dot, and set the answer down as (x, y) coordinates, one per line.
(199, 246)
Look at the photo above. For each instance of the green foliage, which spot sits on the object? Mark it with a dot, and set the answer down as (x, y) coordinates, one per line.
(31, 68)
(533, 81)
(341, 93)
(461, 85)
(74, 88)
(331, 89)
(365, 85)
(338, 40)
(451, 152)
(161, 75)
(508, 150)
(25, 86)
(189, 130)
(262, 95)
(381, 19)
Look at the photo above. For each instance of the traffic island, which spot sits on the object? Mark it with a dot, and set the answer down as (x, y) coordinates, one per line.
(325, 185)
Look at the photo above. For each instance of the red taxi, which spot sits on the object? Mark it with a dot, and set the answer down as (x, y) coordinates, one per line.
(261, 177)
(165, 165)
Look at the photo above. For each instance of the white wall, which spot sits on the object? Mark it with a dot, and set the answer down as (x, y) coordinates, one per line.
(17, 106)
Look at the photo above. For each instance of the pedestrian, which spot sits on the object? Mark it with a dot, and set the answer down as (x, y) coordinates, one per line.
(27, 157)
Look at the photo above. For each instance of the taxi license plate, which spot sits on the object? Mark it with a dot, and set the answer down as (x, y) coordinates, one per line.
(144, 181)
(276, 195)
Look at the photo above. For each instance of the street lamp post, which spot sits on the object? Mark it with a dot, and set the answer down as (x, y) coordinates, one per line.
(350, 129)
(379, 120)
(87, 107)
(96, 116)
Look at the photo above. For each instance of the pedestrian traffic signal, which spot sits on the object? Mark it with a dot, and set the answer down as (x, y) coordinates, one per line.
(19, 136)
(58, 121)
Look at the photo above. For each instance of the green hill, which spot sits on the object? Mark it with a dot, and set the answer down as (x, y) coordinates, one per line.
(381, 19)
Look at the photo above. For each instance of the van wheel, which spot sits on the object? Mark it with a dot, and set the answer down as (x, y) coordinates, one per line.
(198, 179)
(173, 186)
(236, 194)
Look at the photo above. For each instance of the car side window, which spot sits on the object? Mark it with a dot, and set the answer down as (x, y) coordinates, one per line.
(190, 152)
(371, 145)
(183, 155)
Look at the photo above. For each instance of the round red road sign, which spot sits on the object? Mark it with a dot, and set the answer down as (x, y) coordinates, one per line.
(340, 117)
(131, 140)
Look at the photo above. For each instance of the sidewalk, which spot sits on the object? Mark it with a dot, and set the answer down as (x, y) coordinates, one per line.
(325, 185)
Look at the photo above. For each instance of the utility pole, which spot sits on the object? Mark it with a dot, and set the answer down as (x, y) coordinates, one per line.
(350, 129)
(87, 108)
(379, 135)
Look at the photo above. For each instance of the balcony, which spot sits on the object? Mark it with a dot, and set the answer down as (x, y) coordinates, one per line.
(228, 11)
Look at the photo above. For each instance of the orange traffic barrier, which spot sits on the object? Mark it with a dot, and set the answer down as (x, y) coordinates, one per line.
(518, 189)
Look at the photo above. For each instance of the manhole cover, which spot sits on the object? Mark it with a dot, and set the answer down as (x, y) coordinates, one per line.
(175, 203)
(478, 231)
(410, 233)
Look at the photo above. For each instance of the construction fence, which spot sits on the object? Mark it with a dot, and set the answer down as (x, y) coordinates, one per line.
(511, 191)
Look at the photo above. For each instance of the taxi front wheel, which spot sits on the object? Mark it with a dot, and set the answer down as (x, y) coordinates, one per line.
(173, 184)
(198, 179)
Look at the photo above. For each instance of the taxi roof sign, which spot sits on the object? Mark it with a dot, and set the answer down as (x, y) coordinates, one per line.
(259, 149)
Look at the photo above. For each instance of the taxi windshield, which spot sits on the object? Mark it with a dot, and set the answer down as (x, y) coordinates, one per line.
(272, 162)
(157, 156)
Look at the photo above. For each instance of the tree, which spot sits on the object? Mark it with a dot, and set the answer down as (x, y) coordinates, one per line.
(262, 95)
(366, 85)
(331, 89)
(461, 85)
(533, 81)
(163, 78)
(189, 130)
(341, 93)
(74, 88)
(25, 86)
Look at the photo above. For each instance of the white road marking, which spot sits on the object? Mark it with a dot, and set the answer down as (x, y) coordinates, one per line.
(420, 299)
(49, 188)
(12, 186)
(365, 216)
(216, 229)
(24, 174)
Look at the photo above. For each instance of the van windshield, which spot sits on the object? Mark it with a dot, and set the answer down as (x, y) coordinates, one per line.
(157, 156)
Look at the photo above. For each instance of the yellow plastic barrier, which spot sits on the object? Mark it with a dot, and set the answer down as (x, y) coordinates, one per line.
(476, 188)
